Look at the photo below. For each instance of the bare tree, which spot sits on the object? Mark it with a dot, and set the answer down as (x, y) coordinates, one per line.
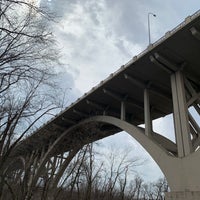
(27, 56)
(92, 170)
(121, 166)
(160, 187)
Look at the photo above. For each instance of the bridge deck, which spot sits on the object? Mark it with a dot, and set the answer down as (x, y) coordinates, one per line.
(178, 49)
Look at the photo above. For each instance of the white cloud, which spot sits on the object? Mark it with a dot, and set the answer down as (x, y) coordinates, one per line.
(97, 37)
(89, 44)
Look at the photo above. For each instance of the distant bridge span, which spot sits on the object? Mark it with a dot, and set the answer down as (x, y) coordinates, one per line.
(163, 79)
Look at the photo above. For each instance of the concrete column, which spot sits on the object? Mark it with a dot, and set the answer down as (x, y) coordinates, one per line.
(147, 113)
(181, 121)
(123, 111)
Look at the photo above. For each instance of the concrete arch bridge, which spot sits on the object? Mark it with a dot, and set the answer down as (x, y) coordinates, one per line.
(164, 79)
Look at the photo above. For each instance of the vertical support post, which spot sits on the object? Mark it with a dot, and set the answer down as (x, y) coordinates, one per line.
(194, 123)
(197, 108)
(123, 111)
(147, 113)
(181, 121)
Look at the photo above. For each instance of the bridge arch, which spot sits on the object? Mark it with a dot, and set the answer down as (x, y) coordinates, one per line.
(157, 152)
(181, 173)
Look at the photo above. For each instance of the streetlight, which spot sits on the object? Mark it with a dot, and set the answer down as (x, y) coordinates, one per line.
(154, 15)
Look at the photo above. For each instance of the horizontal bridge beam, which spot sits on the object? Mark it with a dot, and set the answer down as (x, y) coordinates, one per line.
(154, 89)
(166, 62)
(68, 120)
(82, 114)
(124, 98)
(163, 67)
(96, 105)
(195, 33)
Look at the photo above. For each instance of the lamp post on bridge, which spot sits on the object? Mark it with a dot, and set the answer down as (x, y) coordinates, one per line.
(149, 31)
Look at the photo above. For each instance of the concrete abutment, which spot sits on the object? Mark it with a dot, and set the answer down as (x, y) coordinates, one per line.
(179, 195)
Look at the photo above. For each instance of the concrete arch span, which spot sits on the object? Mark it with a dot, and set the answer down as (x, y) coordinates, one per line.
(181, 173)
(158, 153)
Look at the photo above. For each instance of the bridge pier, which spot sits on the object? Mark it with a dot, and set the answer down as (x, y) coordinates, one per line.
(183, 171)
(183, 176)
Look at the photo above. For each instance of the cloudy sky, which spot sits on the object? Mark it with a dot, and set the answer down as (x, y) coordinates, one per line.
(97, 36)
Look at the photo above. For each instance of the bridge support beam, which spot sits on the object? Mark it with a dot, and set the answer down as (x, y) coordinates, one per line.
(123, 111)
(147, 113)
(181, 121)
(184, 170)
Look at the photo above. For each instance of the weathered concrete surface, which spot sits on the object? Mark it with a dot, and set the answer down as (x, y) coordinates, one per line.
(189, 195)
